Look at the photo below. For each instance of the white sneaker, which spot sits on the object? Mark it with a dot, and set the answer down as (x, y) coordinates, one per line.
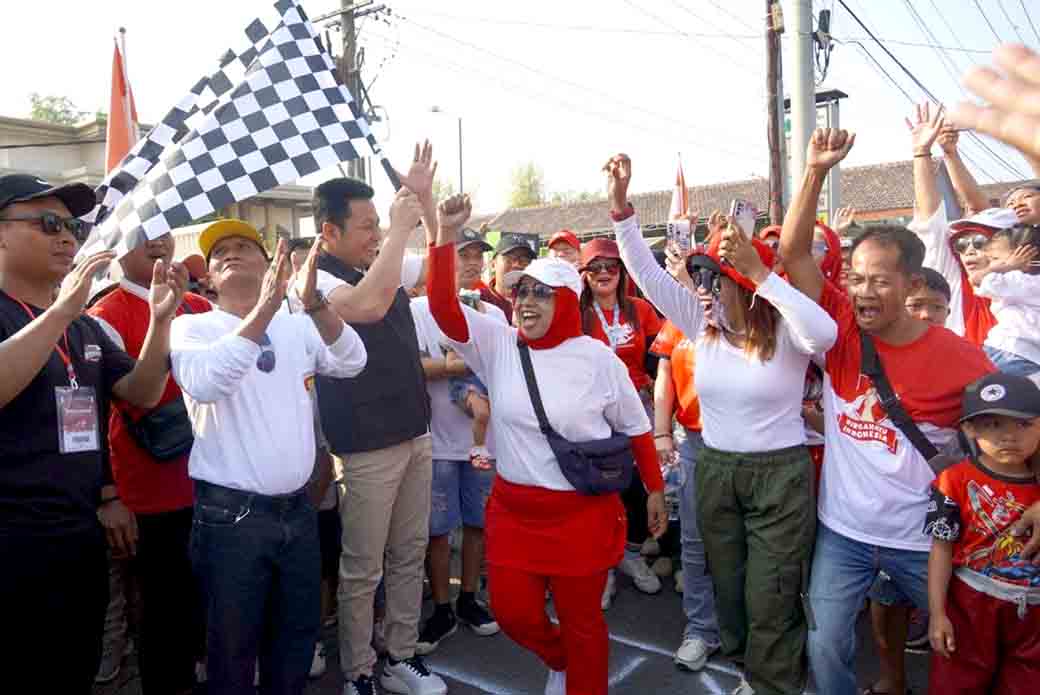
(557, 683)
(412, 677)
(663, 567)
(743, 689)
(693, 654)
(318, 664)
(645, 580)
(680, 582)
(609, 590)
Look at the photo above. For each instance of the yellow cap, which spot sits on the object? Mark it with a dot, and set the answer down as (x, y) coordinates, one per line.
(222, 229)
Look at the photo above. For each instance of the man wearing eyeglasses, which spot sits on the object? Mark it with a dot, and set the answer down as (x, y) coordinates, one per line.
(246, 369)
(60, 374)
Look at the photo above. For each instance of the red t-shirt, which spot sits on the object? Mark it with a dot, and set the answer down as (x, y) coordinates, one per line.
(673, 345)
(974, 508)
(631, 345)
(492, 297)
(146, 486)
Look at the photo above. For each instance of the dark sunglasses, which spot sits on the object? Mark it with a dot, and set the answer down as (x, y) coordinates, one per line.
(708, 279)
(266, 361)
(597, 267)
(976, 241)
(542, 293)
(52, 225)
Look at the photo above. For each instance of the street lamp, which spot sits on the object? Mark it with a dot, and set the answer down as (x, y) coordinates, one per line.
(437, 109)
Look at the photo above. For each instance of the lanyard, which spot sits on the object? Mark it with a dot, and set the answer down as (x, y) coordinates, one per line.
(61, 353)
(611, 329)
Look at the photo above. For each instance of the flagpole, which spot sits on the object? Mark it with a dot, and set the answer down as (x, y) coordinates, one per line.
(130, 125)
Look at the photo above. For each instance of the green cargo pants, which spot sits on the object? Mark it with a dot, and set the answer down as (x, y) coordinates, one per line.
(757, 514)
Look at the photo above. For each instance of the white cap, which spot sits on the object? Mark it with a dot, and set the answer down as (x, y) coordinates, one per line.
(994, 218)
(549, 271)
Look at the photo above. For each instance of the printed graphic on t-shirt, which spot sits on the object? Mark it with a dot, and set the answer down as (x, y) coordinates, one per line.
(863, 420)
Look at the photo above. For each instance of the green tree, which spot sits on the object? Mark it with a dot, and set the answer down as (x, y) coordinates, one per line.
(53, 109)
(570, 197)
(528, 186)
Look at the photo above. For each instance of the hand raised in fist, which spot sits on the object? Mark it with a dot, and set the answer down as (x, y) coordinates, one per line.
(827, 147)
(619, 174)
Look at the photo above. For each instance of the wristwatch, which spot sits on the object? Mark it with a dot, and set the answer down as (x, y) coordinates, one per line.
(319, 304)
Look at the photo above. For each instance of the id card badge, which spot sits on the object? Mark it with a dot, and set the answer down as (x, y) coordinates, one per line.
(77, 420)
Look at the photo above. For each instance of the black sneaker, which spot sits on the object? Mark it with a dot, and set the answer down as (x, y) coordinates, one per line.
(364, 685)
(442, 624)
(477, 617)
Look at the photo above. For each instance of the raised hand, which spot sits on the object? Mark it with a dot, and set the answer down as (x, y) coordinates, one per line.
(75, 291)
(1012, 114)
(948, 138)
(276, 279)
(454, 212)
(925, 128)
(306, 285)
(844, 218)
(619, 174)
(167, 290)
(405, 211)
(827, 147)
(716, 223)
(1021, 258)
(675, 264)
(421, 173)
(740, 252)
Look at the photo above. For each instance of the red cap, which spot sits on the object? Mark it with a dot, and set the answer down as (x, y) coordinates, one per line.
(196, 266)
(599, 248)
(764, 253)
(567, 236)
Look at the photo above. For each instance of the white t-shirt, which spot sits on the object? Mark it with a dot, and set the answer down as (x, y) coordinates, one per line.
(254, 431)
(934, 232)
(327, 283)
(1016, 305)
(746, 405)
(451, 428)
(585, 389)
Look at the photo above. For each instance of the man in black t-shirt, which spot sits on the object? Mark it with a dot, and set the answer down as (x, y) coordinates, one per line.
(60, 372)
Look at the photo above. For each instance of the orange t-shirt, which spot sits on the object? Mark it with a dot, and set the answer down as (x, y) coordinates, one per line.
(631, 344)
(671, 344)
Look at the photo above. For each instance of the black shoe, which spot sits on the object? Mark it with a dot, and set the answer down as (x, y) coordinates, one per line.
(364, 685)
(477, 617)
(441, 624)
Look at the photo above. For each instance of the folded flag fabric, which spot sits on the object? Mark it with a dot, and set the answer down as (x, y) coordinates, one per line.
(272, 113)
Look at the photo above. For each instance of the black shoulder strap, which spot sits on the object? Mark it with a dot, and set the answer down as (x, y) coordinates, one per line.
(532, 387)
(870, 364)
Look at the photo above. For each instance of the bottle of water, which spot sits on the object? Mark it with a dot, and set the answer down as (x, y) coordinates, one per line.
(672, 472)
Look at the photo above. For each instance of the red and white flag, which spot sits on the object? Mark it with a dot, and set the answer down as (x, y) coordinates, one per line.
(680, 196)
(122, 114)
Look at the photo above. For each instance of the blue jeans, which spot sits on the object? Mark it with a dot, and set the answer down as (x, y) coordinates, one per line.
(843, 571)
(460, 494)
(259, 566)
(1010, 363)
(698, 595)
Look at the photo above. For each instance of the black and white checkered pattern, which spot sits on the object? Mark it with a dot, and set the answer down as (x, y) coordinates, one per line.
(269, 115)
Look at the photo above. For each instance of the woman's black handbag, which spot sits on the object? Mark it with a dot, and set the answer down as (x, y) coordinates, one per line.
(597, 467)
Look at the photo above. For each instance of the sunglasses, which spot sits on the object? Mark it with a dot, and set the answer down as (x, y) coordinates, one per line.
(52, 225)
(597, 267)
(265, 362)
(975, 241)
(541, 293)
(708, 279)
(772, 242)
(819, 249)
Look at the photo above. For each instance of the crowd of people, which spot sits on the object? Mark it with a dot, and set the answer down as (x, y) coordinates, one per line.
(795, 421)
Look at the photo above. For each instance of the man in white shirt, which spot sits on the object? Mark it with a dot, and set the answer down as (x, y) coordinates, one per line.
(246, 369)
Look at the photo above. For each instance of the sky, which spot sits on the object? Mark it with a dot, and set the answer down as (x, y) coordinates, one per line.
(561, 84)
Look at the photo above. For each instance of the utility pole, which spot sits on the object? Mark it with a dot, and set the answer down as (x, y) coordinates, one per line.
(776, 169)
(350, 76)
(803, 86)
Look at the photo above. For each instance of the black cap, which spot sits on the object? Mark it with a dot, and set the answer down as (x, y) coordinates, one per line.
(469, 236)
(515, 240)
(702, 260)
(17, 188)
(1002, 394)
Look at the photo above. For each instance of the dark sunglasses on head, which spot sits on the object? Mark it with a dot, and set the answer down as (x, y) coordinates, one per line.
(708, 279)
(266, 361)
(597, 267)
(52, 224)
(976, 241)
(542, 293)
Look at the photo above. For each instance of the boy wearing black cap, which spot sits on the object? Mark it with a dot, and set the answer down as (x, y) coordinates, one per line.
(984, 598)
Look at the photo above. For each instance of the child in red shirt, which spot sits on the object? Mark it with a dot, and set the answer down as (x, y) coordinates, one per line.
(984, 598)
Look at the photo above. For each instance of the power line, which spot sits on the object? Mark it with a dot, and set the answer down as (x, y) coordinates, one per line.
(944, 58)
(733, 16)
(1030, 19)
(988, 23)
(949, 28)
(698, 17)
(1014, 27)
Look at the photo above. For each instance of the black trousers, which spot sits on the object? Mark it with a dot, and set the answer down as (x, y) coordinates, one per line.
(172, 625)
(53, 591)
(634, 499)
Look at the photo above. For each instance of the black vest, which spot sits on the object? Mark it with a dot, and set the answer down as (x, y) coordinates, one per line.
(387, 403)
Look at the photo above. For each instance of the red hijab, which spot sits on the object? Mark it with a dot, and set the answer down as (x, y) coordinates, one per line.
(566, 321)
(830, 266)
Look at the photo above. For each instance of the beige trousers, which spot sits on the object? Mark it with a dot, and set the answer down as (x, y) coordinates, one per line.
(384, 503)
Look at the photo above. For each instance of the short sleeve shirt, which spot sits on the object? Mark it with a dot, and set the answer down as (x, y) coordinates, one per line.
(632, 343)
(974, 508)
(674, 346)
(43, 491)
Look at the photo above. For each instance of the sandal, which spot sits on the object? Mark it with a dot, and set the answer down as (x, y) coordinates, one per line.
(480, 458)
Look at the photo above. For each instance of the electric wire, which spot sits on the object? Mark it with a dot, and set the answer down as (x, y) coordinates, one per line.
(1029, 19)
(1014, 27)
(988, 23)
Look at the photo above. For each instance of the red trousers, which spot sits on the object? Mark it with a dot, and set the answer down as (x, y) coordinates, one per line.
(578, 645)
(996, 651)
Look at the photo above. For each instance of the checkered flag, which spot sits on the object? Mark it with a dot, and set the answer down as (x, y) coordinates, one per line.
(271, 114)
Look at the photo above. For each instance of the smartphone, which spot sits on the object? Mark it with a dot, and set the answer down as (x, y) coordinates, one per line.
(743, 214)
(680, 235)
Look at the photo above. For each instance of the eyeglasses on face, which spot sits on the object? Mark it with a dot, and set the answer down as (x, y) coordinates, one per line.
(975, 241)
(541, 293)
(597, 267)
(266, 361)
(708, 279)
(52, 224)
